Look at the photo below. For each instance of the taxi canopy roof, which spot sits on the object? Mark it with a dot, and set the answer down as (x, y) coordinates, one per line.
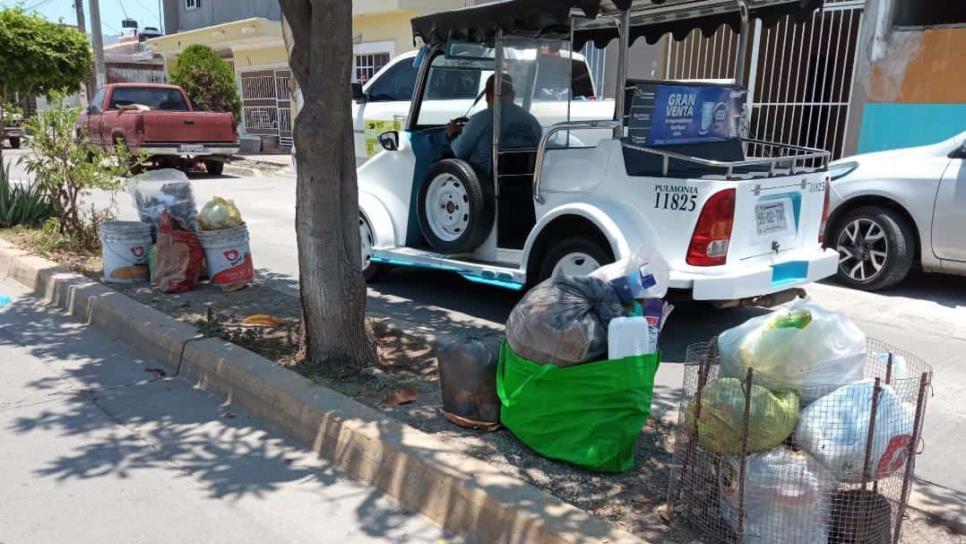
(596, 19)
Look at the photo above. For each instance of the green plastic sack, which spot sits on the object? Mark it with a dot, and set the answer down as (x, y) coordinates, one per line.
(771, 419)
(589, 414)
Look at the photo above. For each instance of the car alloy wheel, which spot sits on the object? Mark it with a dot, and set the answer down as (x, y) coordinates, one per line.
(863, 249)
(365, 237)
(447, 207)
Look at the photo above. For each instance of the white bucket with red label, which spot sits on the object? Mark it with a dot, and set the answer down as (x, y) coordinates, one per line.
(124, 249)
(228, 256)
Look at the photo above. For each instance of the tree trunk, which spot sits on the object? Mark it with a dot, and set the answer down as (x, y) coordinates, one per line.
(318, 35)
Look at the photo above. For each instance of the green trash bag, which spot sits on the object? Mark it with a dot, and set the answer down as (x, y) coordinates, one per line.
(771, 419)
(589, 414)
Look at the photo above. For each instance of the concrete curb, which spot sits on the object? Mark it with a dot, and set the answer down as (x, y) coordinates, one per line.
(240, 171)
(462, 494)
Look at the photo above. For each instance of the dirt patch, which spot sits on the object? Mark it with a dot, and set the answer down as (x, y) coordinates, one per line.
(407, 364)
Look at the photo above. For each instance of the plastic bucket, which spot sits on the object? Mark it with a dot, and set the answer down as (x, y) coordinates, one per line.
(228, 256)
(124, 248)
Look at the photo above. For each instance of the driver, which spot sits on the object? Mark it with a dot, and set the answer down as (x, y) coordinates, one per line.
(473, 142)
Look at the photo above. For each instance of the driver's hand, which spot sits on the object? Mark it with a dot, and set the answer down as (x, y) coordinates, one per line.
(454, 128)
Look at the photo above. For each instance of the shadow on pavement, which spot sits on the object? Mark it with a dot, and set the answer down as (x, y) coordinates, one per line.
(132, 418)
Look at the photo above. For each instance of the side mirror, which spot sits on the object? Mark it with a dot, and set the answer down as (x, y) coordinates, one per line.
(389, 140)
(959, 152)
(357, 93)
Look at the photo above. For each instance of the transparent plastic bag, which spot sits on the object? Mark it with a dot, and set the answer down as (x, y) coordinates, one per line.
(771, 418)
(802, 347)
(835, 429)
(563, 321)
(218, 214)
(157, 191)
(787, 497)
(643, 274)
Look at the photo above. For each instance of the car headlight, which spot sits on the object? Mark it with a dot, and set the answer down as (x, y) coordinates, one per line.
(841, 170)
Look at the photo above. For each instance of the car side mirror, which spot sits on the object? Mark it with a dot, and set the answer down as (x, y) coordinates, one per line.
(959, 152)
(389, 140)
(357, 94)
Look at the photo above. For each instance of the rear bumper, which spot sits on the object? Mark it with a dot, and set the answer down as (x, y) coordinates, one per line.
(13, 132)
(761, 277)
(176, 150)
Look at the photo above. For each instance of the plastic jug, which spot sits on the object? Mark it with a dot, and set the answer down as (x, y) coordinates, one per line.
(627, 336)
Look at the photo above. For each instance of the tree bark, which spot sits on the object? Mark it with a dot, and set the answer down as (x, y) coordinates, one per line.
(318, 35)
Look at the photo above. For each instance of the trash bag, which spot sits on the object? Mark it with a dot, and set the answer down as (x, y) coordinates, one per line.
(563, 321)
(467, 378)
(835, 430)
(787, 497)
(179, 258)
(802, 347)
(219, 214)
(157, 191)
(644, 274)
(589, 415)
(771, 419)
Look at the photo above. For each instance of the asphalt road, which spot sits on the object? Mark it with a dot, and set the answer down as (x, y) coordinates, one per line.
(98, 448)
(926, 315)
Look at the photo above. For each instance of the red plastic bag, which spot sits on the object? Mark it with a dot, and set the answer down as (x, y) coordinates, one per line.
(179, 260)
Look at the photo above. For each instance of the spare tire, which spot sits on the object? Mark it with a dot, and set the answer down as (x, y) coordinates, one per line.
(455, 208)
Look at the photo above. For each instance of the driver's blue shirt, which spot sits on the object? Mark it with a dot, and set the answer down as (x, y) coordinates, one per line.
(475, 144)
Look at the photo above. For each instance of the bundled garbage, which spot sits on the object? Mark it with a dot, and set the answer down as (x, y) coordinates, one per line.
(576, 374)
(814, 412)
(187, 245)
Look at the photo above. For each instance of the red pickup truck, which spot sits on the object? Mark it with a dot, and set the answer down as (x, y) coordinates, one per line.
(158, 120)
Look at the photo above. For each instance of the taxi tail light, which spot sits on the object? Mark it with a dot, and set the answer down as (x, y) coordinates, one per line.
(712, 234)
(824, 223)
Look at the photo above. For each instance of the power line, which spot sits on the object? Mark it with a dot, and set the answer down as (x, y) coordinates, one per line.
(124, 11)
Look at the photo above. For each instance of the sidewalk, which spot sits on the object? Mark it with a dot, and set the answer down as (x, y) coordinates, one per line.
(100, 448)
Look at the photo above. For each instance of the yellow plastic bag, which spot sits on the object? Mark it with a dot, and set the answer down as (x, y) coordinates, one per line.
(219, 214)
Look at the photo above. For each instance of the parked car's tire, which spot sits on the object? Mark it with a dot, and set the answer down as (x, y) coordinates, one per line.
(14, 142)
(876, 248)
(455, 209)
(215, 168)
(370, 271)
(576, 256)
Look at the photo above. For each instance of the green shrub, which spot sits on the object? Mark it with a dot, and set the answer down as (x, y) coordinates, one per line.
(66, 168)
(208, 79)
(26, 205)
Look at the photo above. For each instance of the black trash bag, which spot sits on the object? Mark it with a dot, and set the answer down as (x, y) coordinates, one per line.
(467, 378)
(563, 321)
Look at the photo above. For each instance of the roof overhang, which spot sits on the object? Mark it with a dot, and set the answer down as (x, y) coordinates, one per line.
(246, 33)
(595, 19)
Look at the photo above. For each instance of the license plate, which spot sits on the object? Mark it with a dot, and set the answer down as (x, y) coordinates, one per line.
(191, 148)
(771, 217)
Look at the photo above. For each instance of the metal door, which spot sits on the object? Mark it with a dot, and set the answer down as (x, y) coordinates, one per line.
(283, 96)
(800, 80)
(259, 102)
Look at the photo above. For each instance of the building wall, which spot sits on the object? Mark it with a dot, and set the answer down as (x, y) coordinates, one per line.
(385, 27)
(910, 86)
(177, 18)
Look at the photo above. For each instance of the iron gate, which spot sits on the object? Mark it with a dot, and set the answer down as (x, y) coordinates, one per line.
(801, 73)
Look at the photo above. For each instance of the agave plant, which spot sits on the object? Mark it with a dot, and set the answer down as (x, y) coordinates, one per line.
(26, 205)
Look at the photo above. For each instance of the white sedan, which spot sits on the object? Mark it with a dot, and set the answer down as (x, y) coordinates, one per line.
(892, 209)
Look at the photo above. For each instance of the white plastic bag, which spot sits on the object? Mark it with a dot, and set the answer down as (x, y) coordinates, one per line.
(643, 274)
(787, 497)
(157, 191)
(835, 430)
(802, 347)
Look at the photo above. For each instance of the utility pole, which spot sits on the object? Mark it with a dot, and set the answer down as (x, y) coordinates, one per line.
(91, 84)
(97, 41)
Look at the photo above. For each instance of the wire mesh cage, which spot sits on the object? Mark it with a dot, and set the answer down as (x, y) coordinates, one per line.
(805, 465)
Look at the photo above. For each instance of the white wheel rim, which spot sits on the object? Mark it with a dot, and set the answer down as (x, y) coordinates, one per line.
(863, 249)
(365, 236)
(577, 263)
(447, 207)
